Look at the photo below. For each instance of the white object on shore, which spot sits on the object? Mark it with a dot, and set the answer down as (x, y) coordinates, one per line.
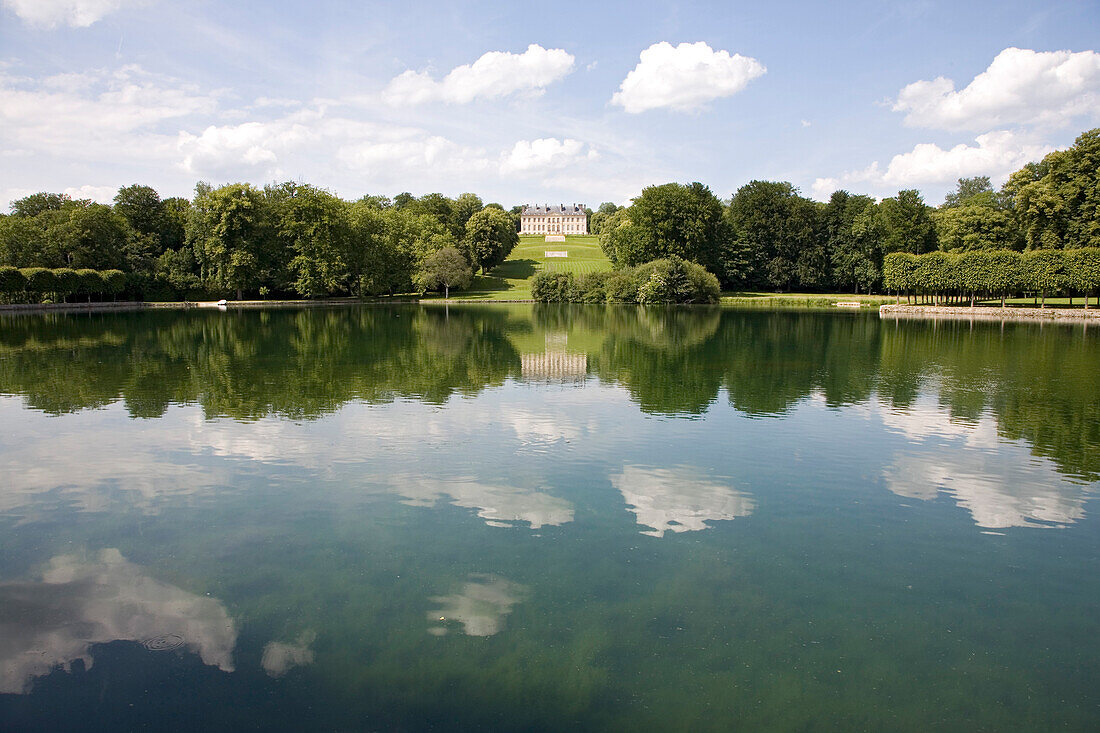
(849, 304)
(553, 253)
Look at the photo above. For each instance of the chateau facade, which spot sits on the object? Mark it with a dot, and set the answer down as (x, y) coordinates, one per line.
(560, 219)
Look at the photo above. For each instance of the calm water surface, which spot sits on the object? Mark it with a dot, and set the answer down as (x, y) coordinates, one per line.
(544, 518)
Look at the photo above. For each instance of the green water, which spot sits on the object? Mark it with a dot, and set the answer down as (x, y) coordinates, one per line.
(536, 518)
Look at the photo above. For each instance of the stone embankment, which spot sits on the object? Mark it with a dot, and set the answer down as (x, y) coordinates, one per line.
(1065, 315)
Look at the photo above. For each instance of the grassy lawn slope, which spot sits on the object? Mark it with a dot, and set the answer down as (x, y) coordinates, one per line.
(511, 280)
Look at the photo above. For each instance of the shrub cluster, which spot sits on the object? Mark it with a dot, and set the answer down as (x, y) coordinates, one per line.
(672, 280)
(954, 277)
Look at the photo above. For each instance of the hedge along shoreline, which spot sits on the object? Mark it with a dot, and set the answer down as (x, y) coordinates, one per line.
(35, 284)
(672, 280)
(944, 278)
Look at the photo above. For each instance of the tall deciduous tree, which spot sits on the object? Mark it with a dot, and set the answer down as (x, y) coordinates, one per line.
(315, 226)
(907, 224)
(446, 268)
(782, 231)
(229, 230)
(490, 237)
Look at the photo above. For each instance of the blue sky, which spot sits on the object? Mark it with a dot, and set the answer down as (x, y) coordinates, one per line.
(556, 102)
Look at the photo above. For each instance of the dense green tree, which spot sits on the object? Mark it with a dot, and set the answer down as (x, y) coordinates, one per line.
(783, 233)
(23, 241)
(92, 236)
(229, 229)
(140, 206)
(854, 241)
(37, 203)
(976, 225)
(315, 226)
(1043, 271)
(490, 237)
(446, 268)
(677, 220)
(1057, 202)
(907, 224)
(1082, 268)
(465, 206)
(966, 189)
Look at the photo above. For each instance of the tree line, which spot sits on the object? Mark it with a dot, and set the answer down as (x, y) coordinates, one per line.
(768, 237)
(289, 238)
(297, 239)
(958, 277)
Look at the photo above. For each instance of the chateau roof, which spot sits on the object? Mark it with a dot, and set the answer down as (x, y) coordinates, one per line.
(560, 209)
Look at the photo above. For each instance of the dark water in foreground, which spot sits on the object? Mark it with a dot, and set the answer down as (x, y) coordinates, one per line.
(545, 519)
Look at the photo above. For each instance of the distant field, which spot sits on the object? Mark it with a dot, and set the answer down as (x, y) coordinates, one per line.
(511, 280)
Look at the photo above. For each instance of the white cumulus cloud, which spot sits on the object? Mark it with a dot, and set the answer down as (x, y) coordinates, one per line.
(496, 74)
(996, 154)
(75, 13)
(684, 77)
(545, 154)
(1020, 87)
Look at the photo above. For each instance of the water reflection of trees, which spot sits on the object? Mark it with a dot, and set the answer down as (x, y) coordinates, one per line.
(1039, 384)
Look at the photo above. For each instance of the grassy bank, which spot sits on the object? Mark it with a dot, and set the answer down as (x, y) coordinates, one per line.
(512, 279)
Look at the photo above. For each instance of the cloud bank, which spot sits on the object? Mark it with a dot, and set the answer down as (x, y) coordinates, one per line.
(1020, 87)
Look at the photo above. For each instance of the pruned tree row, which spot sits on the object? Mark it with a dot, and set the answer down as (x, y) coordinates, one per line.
(62, 282)
(967, 277)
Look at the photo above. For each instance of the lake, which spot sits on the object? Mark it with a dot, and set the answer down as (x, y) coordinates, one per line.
(546, 518)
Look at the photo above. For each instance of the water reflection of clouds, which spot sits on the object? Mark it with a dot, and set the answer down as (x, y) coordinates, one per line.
(96, 474)
(678, 499)
(53, 622)
(496, 504)
(280, 657)
(997, 480)
(480, 606)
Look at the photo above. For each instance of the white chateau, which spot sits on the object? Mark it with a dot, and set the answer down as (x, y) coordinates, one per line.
(560, 219)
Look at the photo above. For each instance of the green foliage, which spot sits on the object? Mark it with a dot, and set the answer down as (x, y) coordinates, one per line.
(445, 269)
(971, 226)
(907, 224)
(673, 220)
(782, 233)
(490, 237)
(315, 227)
(1057, 202)
(554, 287)
(1082, 269)
(39, 280)
(668, 280)
(899, 272)
(1043, 270)
(854, 241)
(38, 203)
(89, 282)
(12, 280)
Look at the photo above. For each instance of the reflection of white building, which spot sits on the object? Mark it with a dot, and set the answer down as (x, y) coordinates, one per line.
(554, 366)
(560, 219)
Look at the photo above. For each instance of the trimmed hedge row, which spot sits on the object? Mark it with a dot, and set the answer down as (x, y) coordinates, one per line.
(672, 280)
(61, 282)
(942, 277)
